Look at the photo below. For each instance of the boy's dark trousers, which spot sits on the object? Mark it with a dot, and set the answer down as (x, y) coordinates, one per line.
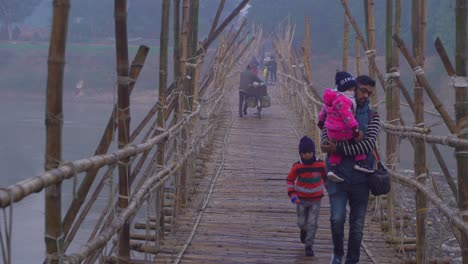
(307, 219)
(242, 103)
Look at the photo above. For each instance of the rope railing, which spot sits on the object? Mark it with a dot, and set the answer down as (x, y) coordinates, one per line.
(22, 189)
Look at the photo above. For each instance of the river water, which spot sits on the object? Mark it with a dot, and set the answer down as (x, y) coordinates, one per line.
(22, 156)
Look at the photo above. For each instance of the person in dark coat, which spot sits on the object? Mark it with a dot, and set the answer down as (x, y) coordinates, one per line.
(247, 78)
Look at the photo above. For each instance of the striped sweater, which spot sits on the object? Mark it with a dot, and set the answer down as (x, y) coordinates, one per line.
(362, 147)
(307, 181)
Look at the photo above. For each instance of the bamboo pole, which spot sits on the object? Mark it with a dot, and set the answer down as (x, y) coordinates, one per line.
(344, 65)
(307, 52)
(123, 114)
(182, 178)
(218, 14)
(103, 146)
(193, 46)
(444, 57)
(419, 146)
(357, 50)
(391, 140)
(461, 110)
(176, 29)
(424, 82)
(161, 120)
(370, 27)
(54, 122)
(212, 37)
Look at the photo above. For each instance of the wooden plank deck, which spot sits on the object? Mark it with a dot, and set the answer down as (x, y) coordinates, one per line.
(249, 218)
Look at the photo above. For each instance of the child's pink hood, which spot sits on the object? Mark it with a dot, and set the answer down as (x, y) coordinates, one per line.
(329, 96)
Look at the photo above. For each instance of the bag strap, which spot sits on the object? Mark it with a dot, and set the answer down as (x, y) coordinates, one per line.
(376, 155)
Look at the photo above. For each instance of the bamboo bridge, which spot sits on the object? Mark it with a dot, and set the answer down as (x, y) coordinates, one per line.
(194, 183)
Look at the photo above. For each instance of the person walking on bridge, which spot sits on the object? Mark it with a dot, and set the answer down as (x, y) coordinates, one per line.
(355, 187)
(306, 182)
(247, 78)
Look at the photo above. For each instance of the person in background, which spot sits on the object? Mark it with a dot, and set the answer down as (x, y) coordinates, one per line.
(247, 78)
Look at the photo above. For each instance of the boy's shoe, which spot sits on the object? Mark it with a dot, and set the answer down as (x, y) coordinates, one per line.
(303, 236)
(332, 176)
(363, 166)
(336, 259)
(308, 251)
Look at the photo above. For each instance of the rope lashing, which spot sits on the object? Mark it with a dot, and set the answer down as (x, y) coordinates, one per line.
(371, 53)
(418, 70)
(124, 80)
(392, 74)
(459, 81)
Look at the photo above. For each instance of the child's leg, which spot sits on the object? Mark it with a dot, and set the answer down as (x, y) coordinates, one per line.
(302, 213)
(332, 174)
(362, 165)
(312, 222)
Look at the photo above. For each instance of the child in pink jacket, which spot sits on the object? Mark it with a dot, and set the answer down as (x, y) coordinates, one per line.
(337, 115)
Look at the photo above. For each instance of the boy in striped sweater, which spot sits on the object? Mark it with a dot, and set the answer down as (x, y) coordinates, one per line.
(306, 182)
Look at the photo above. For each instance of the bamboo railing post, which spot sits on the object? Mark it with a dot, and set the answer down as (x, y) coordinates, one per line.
(182, 195)
(370, 28)
(176, 44)
(161, 161)
(391, 140)
(461, 113)
(194, 47)
(54, 122)
(419, 146)
(123, 114)
(357, 50)
(344, 65)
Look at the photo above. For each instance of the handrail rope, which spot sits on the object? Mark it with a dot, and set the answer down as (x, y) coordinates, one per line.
(35, 184)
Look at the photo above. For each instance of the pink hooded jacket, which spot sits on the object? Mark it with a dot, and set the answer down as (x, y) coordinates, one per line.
(337, 113)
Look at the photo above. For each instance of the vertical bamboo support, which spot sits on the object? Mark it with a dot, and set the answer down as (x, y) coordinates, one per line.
(176, 30)
(307, 53)
(461, 110)
(419, 145)
(393, 109)
(358, 56)
(370, 28)
(163, 69)
(123, 114)
(344, 66)
(194, 47)
(54, 122)
(182, 195)
(391, 140)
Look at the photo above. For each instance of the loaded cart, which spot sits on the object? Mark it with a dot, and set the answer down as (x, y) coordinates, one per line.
(259, 98)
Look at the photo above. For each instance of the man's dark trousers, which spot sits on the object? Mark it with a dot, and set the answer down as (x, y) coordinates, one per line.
(242, 103)
(358, 197)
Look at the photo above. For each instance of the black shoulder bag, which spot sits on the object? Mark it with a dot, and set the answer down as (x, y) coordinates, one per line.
(379, 181)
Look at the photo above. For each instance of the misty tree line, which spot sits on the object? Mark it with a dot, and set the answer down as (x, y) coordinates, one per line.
(92, 20)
